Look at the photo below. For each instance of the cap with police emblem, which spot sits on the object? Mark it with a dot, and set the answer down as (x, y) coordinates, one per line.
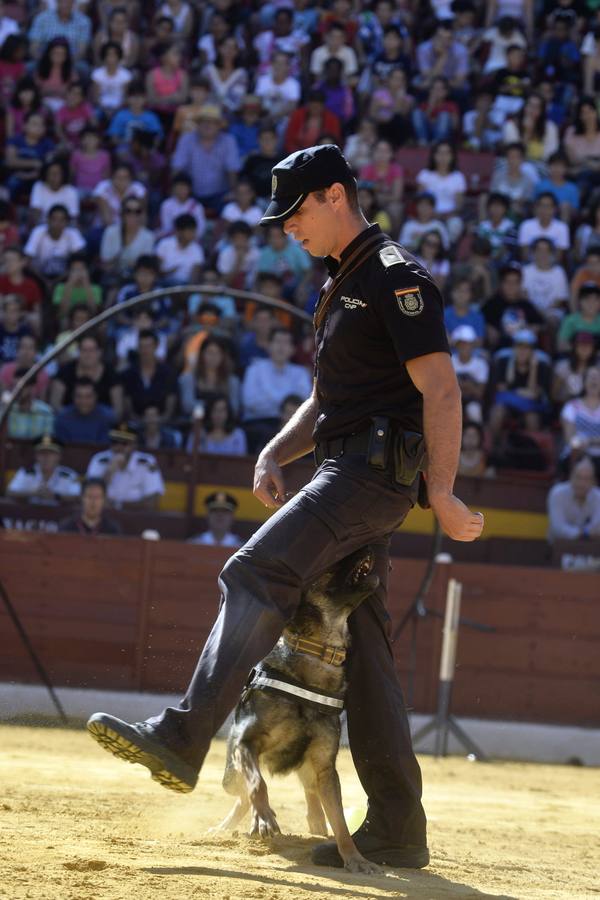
(49, 444)
(122, 435)
(300, 173)
(221, 500)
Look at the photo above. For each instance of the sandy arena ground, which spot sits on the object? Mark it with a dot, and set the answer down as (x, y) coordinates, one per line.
(76, 824)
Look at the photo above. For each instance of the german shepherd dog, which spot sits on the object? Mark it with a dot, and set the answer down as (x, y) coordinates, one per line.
(289, 731)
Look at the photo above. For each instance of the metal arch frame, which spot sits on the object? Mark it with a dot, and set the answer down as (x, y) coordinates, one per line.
(138, 300)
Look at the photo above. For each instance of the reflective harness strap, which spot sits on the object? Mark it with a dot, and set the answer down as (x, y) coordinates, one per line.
(272, 680)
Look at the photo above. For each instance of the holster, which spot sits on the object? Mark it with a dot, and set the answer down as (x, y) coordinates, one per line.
(409, 456)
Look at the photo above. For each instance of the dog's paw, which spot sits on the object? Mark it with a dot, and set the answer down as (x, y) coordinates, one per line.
(264, 824)
(357, 863)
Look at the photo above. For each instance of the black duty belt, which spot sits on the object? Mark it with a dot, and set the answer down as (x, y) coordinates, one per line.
(349, 443)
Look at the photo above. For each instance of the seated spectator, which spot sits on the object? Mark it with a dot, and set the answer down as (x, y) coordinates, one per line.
(387, 177)
(508, 311)
(531, 127)
(266, 384)
(26, 99)
(92, 518)
(77, 316)
(220, 511)
(26, 154)
(211, 376)
(513, 180)
(153, 435)
(84, 421)
(129, 336)
(442, 55)
(285, 37)
(559, 55)
(238, 258)
(521, 384)
(90, 168)
(587, 318)
(254, 344)
(89, 364)
(510, 84)
(149, 382)
(447, 184)
(372, 211)
(566, 193)
(257, 166)
(117, 28)
(582, 145)
(473, 461)
(431, 254)
(243, 207)
(13, 327)
(286, 258)
(588, 234)
(289, 407)
(569, 373)
(223, 302)
(544, 224)
(13, 52)
(180, 202)
(211, 157)
(133, 117)
(334, 47)
(62, 21)
(9, 232)
(545, 282)
(76, 288)
(278, 90)
(72, 118)
(145, 279)
(590, 51)
(437, 117)
(589, 271)
(423, 222)
(54, 73)
(23, 361)
(479, 129)
(463, 311)
(207, 320)
(580, 420)
(471, 370)
(167, 84)
(307, 123)
(133, 479)
(182, 15)
(181, 256)
(186, 116)
(124, 242)
(478, 268)
(111, 194)
(50, 245)
(15, 280)
(46, 481)
(247, 124)
(227, 75)
(219, 432)
(498, 228)
(339, 98)
(53, 190)
(390, 109)
(574, 505)
(30, 417)
(360, 145)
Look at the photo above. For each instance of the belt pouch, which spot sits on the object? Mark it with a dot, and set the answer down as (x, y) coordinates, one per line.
(379, 439)
(409, 453)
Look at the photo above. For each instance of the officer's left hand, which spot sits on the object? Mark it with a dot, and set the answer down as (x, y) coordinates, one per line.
(456, 519)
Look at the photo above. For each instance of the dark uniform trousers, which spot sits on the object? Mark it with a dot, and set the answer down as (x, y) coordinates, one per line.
(346, 506)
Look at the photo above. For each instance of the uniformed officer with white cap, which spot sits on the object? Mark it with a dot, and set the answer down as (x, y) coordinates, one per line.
(132, 478)
(220, 510)
(46, 481)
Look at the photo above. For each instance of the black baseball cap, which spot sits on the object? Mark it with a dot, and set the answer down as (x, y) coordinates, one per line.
(300, 173)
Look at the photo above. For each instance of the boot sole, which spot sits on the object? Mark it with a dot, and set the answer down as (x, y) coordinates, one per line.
(124, 748)
(395, 858)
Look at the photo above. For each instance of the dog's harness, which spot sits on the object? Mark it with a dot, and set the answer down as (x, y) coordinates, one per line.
(334, 656)
(264, 678)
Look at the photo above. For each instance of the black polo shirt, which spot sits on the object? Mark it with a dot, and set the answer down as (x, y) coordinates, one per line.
(386, 312)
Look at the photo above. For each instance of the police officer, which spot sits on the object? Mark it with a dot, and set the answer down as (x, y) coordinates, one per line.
(46, 481)
(383, 379)
(220, 510)
(132, 478)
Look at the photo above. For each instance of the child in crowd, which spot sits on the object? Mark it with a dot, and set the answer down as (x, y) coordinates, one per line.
(180, 202)
(90, 164)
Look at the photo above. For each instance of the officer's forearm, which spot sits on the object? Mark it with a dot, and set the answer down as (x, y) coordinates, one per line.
(442, 423)
(295, 438)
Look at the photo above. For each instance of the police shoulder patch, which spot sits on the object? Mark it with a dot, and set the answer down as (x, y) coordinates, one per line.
(391, 256)
(410, 301)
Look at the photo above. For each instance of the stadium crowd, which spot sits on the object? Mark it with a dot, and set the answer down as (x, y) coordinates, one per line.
(138, 146)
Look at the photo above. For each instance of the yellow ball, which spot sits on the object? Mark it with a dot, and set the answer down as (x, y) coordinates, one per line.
(355, 816)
